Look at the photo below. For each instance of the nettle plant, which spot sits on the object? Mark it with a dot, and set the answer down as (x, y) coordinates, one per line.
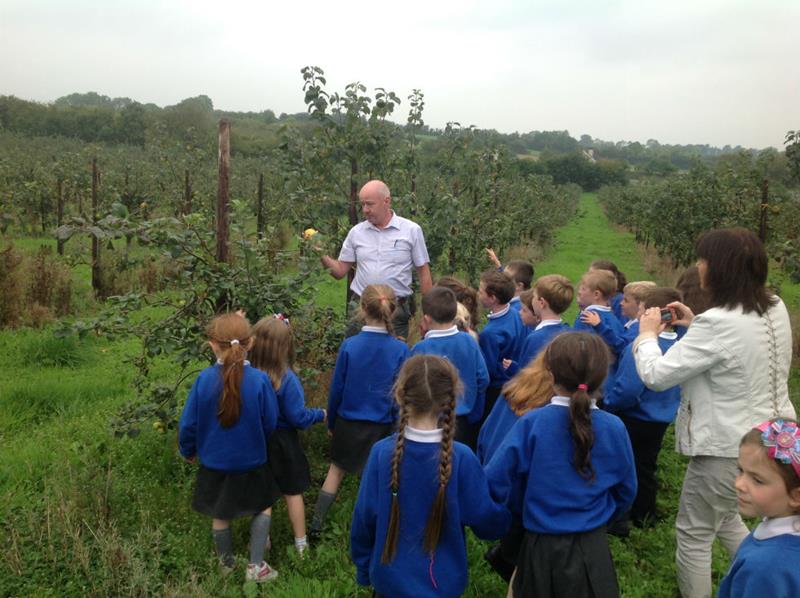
(171, 324)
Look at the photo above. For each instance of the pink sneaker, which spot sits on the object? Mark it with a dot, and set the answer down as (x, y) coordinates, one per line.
(260, 573)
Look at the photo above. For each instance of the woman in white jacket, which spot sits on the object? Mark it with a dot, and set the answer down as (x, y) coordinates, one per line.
(733, 366)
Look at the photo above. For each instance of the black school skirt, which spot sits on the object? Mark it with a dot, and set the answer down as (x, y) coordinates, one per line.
(288, 462)
(352, 441)
(566, 565)
(224, 495)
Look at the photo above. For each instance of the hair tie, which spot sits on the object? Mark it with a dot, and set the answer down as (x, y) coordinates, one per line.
(234, 342)
(582, 387)
(782, 440)
(281, 317)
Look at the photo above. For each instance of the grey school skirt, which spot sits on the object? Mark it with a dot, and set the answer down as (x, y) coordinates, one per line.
(566, 565)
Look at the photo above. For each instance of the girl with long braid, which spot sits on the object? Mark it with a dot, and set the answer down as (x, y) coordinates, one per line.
(566, 470)
(419, 489)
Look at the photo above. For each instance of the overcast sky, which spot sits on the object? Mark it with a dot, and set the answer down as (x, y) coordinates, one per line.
(698, 71)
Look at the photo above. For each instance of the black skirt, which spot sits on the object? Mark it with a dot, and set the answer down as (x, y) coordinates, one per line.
(566, 565)
(466, 432)
(352, 441)
(288, 462)
(224, 495)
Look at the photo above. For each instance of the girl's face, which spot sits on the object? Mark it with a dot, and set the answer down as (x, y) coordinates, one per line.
(760, 488)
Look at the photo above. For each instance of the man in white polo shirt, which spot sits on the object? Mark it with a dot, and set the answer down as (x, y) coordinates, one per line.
(384, 248)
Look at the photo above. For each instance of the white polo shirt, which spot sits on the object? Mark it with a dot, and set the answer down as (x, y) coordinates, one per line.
(385, 255)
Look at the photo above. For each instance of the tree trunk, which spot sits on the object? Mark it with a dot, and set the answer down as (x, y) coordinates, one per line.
(187, 193)
(260, 208)
(223, 186)
(352, 212)
(59, 213)
(97, 284)
(762, 224)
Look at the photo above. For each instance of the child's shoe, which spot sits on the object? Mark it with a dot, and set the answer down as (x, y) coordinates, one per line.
(260, 573)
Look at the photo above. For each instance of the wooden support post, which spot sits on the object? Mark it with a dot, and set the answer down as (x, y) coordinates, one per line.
(97, 284)
(187, 193)
(223, 186)
(762, 224)
(59, 212)
(260, 223)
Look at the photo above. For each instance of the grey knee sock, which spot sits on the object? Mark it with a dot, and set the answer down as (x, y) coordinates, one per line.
(324, 502)
(259, 532)
(223, 543)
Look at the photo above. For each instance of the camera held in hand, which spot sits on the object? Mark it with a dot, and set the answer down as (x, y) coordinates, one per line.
(667, 315)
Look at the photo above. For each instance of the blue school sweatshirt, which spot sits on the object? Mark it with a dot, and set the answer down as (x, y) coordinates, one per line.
(761, 568)
(293, 412)
(627, 394)
(366, 368)
(536, 341)
(630, 331)
(413, 573)
(516, 303)
(241, 447)
(501, 338)
(463, 352)
(532, 472)
(494, 430)
(609, 328)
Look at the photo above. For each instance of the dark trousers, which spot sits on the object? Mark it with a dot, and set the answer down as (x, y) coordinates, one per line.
(467, 433)
(491, 399)
(646, 438)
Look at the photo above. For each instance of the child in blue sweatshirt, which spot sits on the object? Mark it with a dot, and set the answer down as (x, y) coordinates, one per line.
(551, 296)
(361, 409)
(594, 292)
(566, 470)
(227, 422)
(419, 489)
(520, 271)
(615, 298)
(646, 413)
(442, 337)
(273, 353)
(632, 305)
(503, 335)
(768, 486)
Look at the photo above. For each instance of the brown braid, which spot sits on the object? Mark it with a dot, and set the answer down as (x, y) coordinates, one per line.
(433, 529)
(425, 385)
(390, 545)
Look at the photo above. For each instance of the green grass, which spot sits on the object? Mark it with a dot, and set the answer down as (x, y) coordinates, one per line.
(88, 513)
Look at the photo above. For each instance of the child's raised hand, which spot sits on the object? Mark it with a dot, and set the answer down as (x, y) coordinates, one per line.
(493, 257)
(241, 313)
(590, 317)
(506, 363)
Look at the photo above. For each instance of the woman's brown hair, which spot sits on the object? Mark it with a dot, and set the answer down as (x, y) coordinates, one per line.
(378, 302)
(231, 333)
(532, 387)
(425, 384)
(578, 362)
(273, 348)
(736, 272)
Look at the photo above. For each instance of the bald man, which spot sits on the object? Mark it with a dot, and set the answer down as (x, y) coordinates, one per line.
(384, 248)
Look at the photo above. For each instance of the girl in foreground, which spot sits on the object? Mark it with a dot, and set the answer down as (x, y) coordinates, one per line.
(419, 490)
(566, 470)
(768, 485)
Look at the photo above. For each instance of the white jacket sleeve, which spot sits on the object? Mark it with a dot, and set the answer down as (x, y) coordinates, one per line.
(695, 353)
